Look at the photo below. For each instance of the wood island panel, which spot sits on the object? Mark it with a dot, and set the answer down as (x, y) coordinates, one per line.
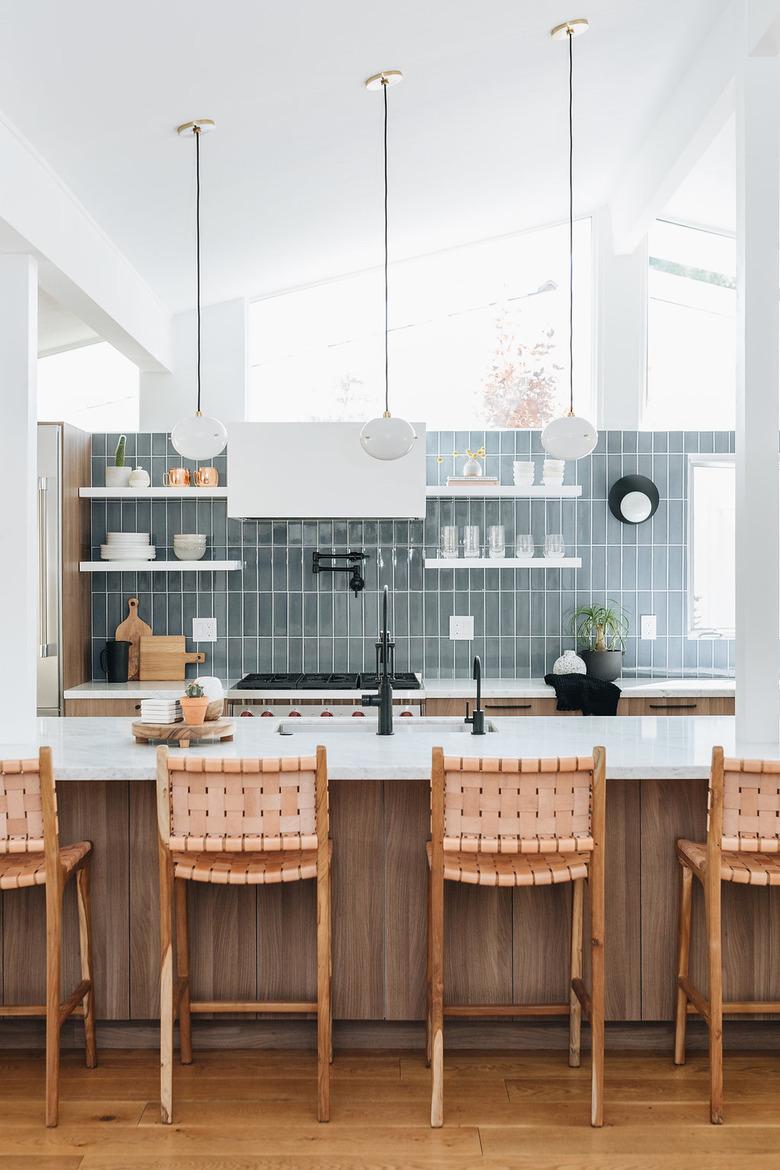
(502, 946)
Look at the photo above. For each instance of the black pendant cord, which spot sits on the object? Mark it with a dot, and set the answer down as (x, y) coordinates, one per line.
(571, 221)
(197, 252)
(387, 327)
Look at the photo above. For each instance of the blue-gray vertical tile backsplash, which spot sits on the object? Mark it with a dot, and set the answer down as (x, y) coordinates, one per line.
(275, 614)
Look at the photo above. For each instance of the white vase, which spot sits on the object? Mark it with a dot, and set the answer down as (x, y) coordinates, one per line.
(118, 476)
(472, 468)
(139, 478)
(569, 663)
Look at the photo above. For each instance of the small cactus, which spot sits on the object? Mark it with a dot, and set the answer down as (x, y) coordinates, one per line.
(194, 690)
(119, 454)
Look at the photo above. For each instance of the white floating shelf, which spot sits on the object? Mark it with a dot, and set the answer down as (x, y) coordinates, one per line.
(158, 566)
(153, 493)
(504, 491)
(503, 562)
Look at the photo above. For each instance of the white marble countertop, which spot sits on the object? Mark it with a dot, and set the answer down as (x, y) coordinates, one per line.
(676, 747)
(439, 688)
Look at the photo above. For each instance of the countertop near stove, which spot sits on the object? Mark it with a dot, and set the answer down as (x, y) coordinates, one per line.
(492, 688)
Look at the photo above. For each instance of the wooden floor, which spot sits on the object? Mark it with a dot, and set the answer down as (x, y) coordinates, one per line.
(255, 1111)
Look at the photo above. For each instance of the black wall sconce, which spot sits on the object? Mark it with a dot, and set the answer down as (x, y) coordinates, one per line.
(353, 564)
(633, 499)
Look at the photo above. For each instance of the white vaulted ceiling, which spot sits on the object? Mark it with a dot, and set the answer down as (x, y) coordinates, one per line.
(292, 177)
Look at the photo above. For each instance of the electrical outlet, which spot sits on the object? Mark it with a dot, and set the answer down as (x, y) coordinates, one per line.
(461, 629)
(647, 627)
(204, 629)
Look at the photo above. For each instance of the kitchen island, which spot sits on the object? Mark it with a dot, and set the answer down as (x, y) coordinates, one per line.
(503, 945)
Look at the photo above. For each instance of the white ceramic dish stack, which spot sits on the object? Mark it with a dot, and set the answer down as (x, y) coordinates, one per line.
(523, 473)
(552, 472)
(189, 546)
(128, 546)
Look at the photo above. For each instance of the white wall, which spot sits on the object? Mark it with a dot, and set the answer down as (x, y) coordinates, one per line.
(165, 398)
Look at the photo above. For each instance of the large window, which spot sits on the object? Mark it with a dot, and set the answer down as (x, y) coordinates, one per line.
(93, 387)
(691, 329)
(711, 550)
(479, 338)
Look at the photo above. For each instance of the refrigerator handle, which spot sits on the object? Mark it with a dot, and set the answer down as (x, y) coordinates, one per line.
(43, 569)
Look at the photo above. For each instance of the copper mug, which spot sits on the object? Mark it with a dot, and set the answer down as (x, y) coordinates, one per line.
(206, 477)
(176, 477)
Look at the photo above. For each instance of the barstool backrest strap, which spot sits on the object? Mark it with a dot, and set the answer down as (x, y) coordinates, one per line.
(240, 805)
(750, 813)
(28, 808)
(518, 805)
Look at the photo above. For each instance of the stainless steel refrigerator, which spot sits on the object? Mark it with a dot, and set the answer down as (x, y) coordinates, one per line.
(49, 569)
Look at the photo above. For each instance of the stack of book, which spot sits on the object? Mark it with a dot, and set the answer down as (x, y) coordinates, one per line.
(161, 711)
(472, 481)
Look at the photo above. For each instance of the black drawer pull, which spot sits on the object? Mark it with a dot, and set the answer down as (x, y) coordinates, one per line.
(673, 706)
(508, 706)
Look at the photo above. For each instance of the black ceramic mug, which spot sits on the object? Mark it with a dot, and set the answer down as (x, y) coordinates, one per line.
(114, 658)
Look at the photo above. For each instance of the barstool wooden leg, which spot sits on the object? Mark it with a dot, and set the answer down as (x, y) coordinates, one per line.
(85, 949)
(428, 978)
(53, 957)
(437, 998)
(715, 971)
(166, 987)
(597, 998)
(183, 971)
(683, 955)
(575, 1007)
(324, 1019)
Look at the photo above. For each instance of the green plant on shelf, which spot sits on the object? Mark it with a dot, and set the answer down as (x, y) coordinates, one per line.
(119, 453)
(600, 627)
(194, 690)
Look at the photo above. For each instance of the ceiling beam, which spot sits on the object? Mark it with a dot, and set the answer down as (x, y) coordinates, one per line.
(692, 116)
(79, 264)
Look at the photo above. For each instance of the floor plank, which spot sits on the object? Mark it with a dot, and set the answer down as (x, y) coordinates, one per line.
(251, 1110)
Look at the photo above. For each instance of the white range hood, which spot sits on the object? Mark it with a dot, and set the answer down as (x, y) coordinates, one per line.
(319, 470)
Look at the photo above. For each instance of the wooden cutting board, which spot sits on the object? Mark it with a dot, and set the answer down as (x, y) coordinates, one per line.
(163, 659)
(131, 630)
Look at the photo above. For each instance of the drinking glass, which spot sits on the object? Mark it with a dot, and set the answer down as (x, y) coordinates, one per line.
(525, 545)
(449, 540)
(553, 544)
(496, 541)
(471, 540)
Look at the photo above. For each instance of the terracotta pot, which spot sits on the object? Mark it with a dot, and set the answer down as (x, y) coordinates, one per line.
(194, 710)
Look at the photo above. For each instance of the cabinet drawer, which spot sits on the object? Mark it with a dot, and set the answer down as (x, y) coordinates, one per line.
(688, 706)
(112, 708)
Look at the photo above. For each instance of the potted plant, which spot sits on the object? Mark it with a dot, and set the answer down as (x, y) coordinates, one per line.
(601, 631)
(194, 704)
(118, 475)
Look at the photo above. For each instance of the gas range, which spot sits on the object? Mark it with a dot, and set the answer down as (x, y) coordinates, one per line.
(311, 681)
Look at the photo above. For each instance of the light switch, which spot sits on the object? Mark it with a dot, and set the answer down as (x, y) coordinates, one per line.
(647, 627)
(204, 629)
(461, 629)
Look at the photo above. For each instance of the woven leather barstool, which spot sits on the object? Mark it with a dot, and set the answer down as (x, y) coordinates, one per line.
(239, 822)
(743, 843)
(30, 855)
(504, 822)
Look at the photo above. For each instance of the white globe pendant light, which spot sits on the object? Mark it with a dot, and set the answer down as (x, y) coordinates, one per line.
(386, 437)
(570, 437)
(197, 436)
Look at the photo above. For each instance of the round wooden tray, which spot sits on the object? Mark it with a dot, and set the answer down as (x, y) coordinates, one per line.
(183, 734)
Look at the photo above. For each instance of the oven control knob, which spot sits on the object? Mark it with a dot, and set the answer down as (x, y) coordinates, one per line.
(251, 714)
(358, 714)
(266, 714)
(294, 715)
(326, 714)
(407, 714)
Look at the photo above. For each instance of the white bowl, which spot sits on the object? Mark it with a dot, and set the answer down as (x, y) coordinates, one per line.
(189, 554)
(189, 537)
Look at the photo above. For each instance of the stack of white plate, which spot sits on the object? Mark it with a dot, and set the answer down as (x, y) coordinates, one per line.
(160, 711)
(523, 472)
(127, 546)
(189, 546)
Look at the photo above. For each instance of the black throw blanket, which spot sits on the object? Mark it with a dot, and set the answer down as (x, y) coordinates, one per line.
(579, 692)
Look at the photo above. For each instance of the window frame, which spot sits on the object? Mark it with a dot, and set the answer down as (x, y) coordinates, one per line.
(712, 459)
